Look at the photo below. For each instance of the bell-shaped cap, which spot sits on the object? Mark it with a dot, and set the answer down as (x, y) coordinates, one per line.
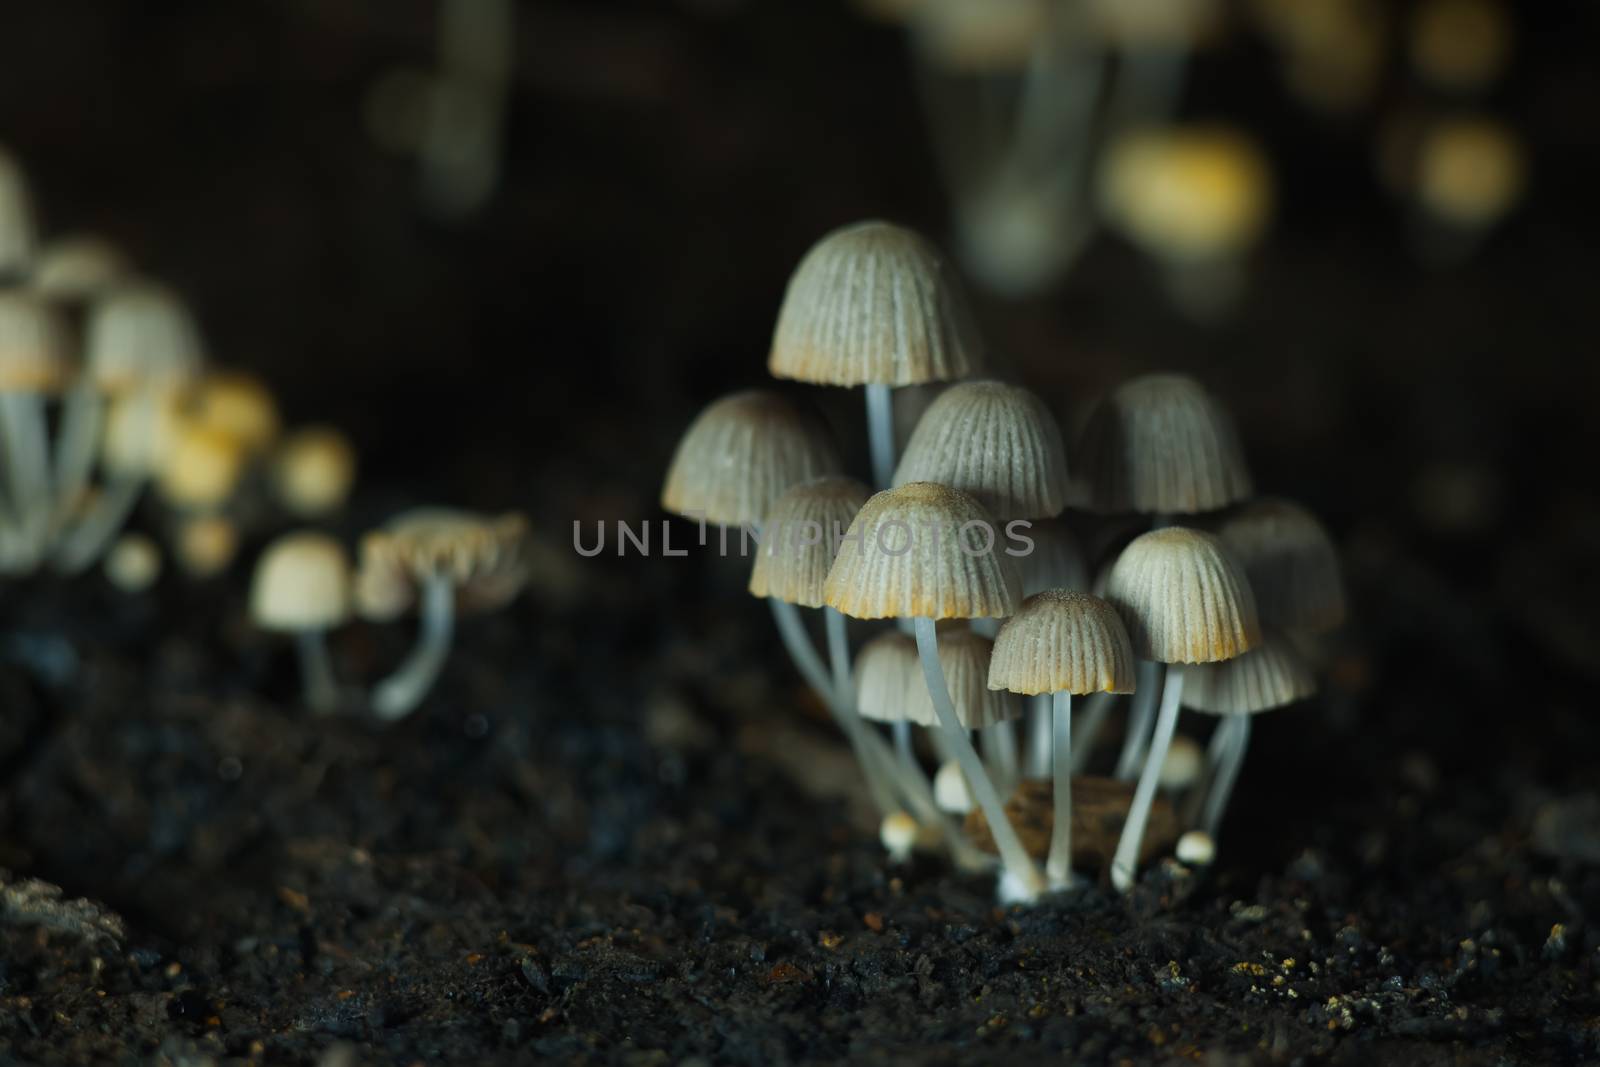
(965, 657)
(1269, 676)
(302, 582)
(1161, 445)
(874, 303)
(888, 672)
(141, 336)
(33, 345)
(1055, 560)
(800, 536)
(743, 452)
(1063, 642)
(923, 550)
(1183, 597)
(996, 441)
(1291, 562)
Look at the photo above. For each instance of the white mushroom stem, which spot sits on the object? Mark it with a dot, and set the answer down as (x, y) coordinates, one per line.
(1226, 773)
(880, 433)
(1089, 726)
(1000, 753)
(879, 778)
(903, 748)
(1125, 864)
(399, 694)
(87, 541)
(1040, 749)
(82, 413)
(316, 672)
(1018, 864)
(1141, 713)
(27, 448)
(1058, 868)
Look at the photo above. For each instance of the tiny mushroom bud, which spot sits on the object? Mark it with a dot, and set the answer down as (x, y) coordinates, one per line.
(302, 586)
(1196, 849)
(134, 563)
(898, 832)
(950, 789)
(313, 470)
(1184, 764)
(1470, 171)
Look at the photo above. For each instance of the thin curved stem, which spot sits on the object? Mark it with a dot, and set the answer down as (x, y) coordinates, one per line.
(1013, 856)
(880, 433)
(999, 744)
(1221, 789)
(316, 672)
(27, 466)
(1058, 868)
(1089, 727)
(1141, 713)
(880, 779)
(87, 541)
(1125, 864)
(399, 694)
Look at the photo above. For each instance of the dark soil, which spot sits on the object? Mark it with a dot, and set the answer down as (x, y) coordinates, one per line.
(620, 832)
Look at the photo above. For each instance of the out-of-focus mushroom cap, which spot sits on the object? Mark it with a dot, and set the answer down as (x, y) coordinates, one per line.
(140, 336)
(798, 539)
(887, 672)
(965, 657)
(302, 582)
(33, 345)
(1291, 562)
(1063, 641)
(1269, 676)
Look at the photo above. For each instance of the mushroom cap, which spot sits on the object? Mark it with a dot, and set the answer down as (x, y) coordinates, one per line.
(313, 470)
(77, 267)
(1056, 560)
(1291, 562)
(743, 452)
(140, 431)
(141, 335)
(799, 537)
(1188, 194)
(887, 673)
(1460, 44)
(237, 404)
(1062, 641)
(1269, 676)
(918, 551)
(485, 557)
(302, 582)
(205, 545)
(1470, 171)
(33, 345)
(996, 441)
(1183, 597)
(986, 37)
(874, 303)
(1160, 444)
(965, 657)
(17, 228)
(201, 469)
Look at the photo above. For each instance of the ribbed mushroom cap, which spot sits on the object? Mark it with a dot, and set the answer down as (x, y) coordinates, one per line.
(141, 335)
(486, 557)
(1056, 560)
(1183, 597)
(33, 345)
(996, 441)
(17, 233)
(923, 550)
(965, 656)
(77, 268)
(874, 303)
(887, 673)
(743, 452)
(1269, 676)
(799, 536)
(1062, 641)
(1291, 562)
(1160, 444)
(302, 582)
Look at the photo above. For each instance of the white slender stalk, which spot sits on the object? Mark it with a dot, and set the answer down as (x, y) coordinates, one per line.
(316, 672)
(1089, 726)
(82, 413)
(1039, 748)
(1125, 864)
(27, 451)
(399, 694)
(1018, 864)
(87, 541)
(1141, 713)
(1000, 753)
(1216, 753)
(1058, 868)
(879, 778)
(1221, 788)
(903, 748)
(880, 433)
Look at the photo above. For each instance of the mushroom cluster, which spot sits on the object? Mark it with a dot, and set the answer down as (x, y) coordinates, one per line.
(1204, 597)
(106, 392)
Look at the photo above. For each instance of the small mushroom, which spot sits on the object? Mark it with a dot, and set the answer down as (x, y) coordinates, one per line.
(201, 468)
(237, 404)
(205, 545)
(133, 564)
(313, 470)
(446, 555)
(302, 586)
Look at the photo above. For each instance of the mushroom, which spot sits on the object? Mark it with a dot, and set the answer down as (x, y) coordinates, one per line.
(910, 554)
(205, 545)
(1184, 599)
(1470, 172)
(1064, 644)
(201, 468)
(133, 564)
(446, 555)
(33, 366)
(1292, 565)
(76, 269)
(142, 350)
(874, 304)
(302, 586)
(313, 470)
(964, 660)
(17, 229)
(1270, 676)
(237, 404)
